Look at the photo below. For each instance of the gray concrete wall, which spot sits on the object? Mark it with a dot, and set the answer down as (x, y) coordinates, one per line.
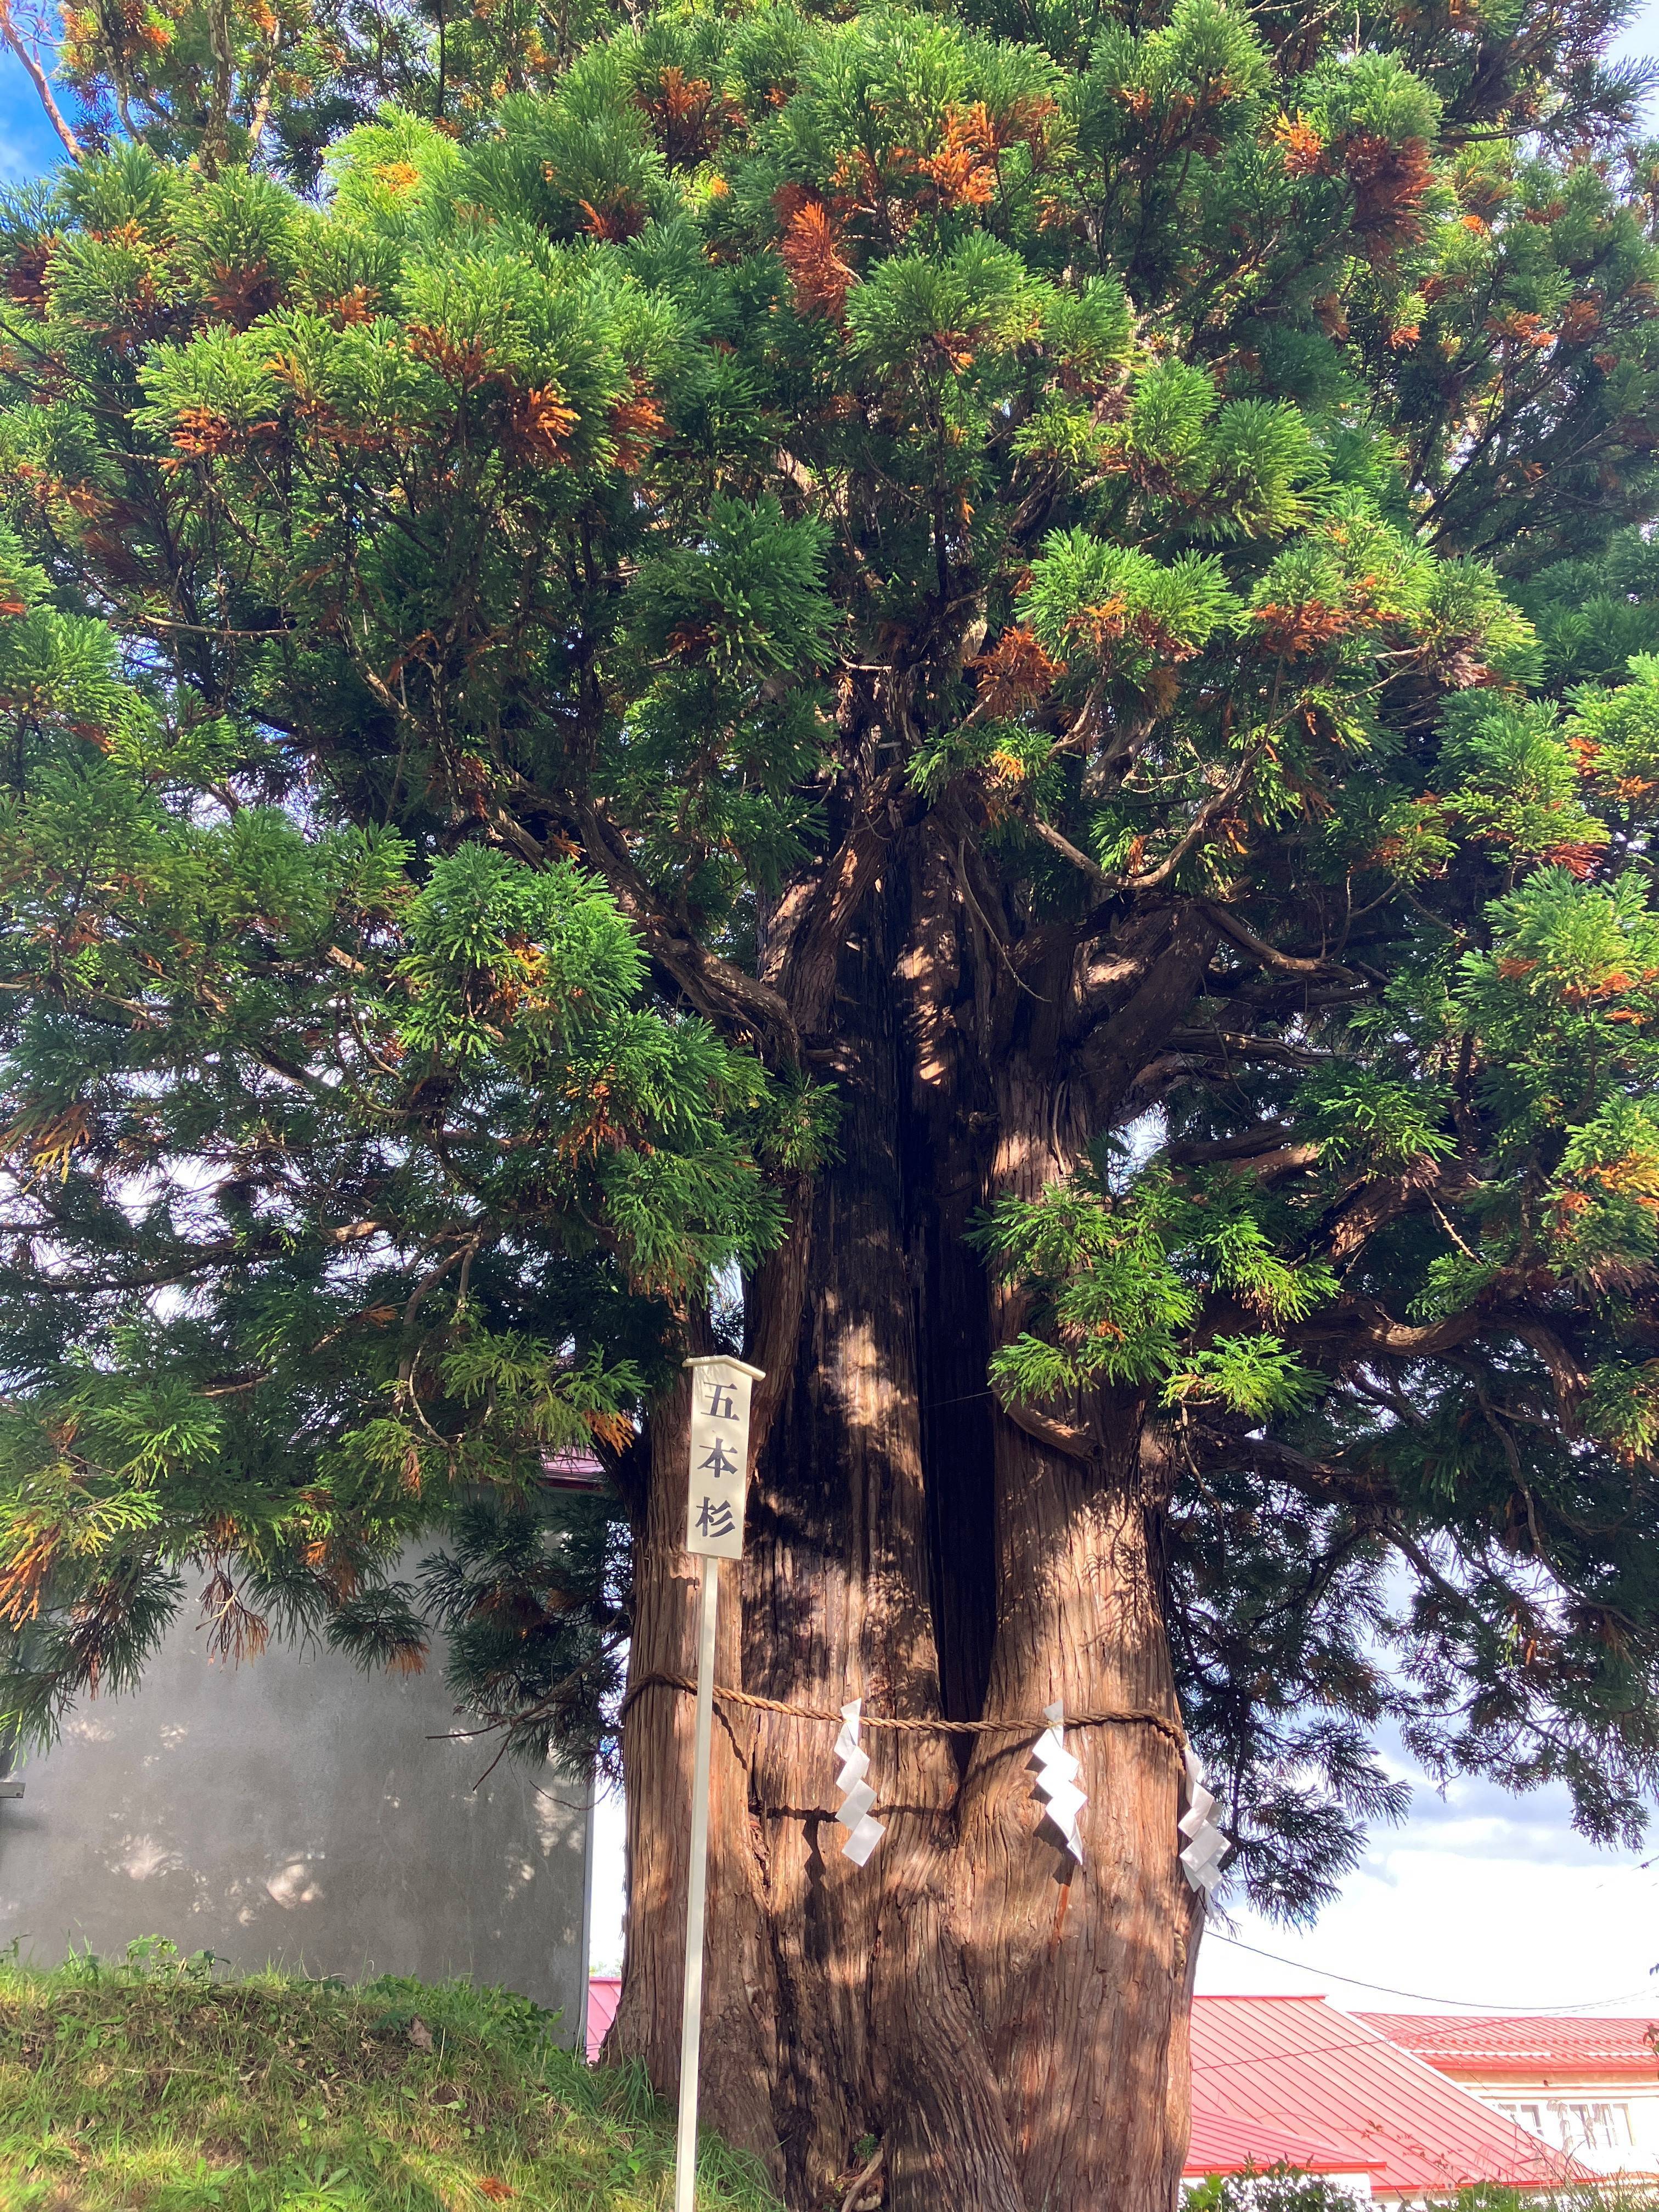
(294, 1811)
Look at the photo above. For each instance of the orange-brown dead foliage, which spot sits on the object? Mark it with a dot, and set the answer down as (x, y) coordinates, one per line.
(636, 424)
(964, 169)
(538, 423)
(1015, 673)
(1301, 146)
(687, 115)
(1303, 627)
(820, 277)
(1390, 185)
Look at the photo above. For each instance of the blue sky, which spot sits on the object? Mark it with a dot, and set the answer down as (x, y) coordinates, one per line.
(1478, 1896)
(29, 143)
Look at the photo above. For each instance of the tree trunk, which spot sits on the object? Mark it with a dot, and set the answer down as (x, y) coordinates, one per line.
(1010, 2032)
(1083, 1973)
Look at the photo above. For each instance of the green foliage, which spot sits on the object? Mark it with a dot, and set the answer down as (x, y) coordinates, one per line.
(347, 1109)
(287, 2095)
(1360, 1118)
(748, 597)
(1124, 1277)
(1087, 596)
(1286, 2189)
(1276, 2188)
(522, 534)
(1514, 781)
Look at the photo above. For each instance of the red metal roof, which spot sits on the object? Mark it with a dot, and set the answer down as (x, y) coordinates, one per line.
(1223, 2145)
(1291, 2081)
(1296, 2065)
(604, 1991)
(572, 1470)
(1523, 2042)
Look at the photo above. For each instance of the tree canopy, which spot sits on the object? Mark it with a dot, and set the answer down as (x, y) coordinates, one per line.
(510, 518)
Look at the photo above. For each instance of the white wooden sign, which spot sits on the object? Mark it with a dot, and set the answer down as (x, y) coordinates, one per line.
(719, 1471)
(721, 1390)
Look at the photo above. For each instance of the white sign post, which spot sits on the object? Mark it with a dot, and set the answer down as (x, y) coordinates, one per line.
(720, 1391)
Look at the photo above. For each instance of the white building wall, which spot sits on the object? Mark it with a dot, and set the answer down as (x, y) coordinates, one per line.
(1610, 2123)
(297, 1812)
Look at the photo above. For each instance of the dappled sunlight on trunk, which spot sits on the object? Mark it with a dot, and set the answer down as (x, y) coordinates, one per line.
(1007, 2029)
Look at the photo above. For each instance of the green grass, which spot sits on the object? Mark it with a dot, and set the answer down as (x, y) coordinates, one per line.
(156, 2086)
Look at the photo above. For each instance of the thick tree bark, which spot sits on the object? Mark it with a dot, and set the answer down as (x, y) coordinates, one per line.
(882, 2038)
(1081, 1972)
(1009, 2030)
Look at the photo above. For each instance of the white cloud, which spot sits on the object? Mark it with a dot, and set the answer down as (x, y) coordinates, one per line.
(29, 144)
(1481, 1897)
(1498, 1913)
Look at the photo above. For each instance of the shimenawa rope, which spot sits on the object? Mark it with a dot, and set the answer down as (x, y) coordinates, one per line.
(1123, 1717)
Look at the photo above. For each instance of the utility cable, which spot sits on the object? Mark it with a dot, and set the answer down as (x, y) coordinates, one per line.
(1418, 1996)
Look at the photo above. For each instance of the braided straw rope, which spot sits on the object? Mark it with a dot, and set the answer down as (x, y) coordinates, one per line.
(1127, 1717)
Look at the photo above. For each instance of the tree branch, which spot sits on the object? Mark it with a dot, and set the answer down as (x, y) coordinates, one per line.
(1366, 1326)
(1207, 815)
(716, 988)
(1073, 1444)
(1569, 1378)
(1258, 949)
(11, 36)
(1105, 886)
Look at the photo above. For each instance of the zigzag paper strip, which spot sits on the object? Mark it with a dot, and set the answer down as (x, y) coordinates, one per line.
(864, 1830)
(1201, 1860)
(1056, 1781)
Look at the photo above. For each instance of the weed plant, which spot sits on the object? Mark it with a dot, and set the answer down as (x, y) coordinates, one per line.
(1283, 2188)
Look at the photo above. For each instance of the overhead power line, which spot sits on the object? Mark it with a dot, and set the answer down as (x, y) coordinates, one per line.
(1419, 1996)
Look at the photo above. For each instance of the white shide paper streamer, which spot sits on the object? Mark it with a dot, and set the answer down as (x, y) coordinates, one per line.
(864, 1830)
(1201, 1860)
(1056, 1782)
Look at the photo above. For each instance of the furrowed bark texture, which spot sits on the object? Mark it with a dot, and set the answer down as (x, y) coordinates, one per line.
(1009, 2029)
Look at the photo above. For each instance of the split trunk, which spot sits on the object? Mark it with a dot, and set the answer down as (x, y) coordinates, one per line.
(1007, 2031)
